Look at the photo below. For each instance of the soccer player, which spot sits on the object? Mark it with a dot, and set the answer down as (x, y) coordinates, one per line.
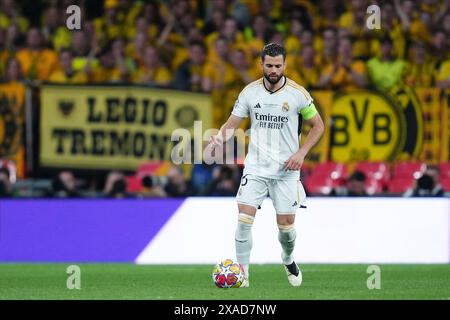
(272, 164)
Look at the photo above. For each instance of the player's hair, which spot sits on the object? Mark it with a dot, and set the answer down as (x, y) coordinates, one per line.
(273, 50)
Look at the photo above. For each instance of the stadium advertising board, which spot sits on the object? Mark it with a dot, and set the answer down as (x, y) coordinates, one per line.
(172, 231)
(96, 127)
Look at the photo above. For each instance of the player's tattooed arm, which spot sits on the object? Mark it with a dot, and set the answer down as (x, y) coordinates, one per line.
(295, 161)
(226, 132)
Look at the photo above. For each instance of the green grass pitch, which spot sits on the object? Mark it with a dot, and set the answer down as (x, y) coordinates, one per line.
(193, 282)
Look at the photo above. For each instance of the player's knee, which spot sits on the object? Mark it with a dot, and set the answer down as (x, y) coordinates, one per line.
(246, 219)
(285, 219)
(287, 232)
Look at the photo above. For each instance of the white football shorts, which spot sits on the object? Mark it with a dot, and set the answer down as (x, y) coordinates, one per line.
(287, 195)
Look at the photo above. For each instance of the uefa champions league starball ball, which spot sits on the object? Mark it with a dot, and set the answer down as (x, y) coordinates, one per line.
(228, 274)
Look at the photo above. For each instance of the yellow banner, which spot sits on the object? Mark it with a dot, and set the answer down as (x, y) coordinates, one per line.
(430, 105)
(95, 127)
(375, 126)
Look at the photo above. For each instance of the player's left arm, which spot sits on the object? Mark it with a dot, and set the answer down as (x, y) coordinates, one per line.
(311, 117)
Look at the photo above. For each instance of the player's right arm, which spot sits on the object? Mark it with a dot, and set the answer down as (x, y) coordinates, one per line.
(240, 111)
(227, 130)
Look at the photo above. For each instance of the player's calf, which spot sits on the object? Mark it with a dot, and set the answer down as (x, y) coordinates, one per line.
(287, 236)
(244, 241)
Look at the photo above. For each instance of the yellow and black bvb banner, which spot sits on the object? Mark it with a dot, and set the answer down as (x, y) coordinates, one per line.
(12, 115)
(374, 126)
(100, 127)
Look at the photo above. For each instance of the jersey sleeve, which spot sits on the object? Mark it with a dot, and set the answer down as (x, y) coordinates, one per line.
(307, 108)
(240, 108)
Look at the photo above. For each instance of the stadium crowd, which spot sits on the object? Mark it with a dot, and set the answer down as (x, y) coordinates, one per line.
(213, 47)
(208, 46)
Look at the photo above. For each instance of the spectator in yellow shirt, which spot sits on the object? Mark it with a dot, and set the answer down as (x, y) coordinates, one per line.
(37, 62)
(105, 71)
(218, 74)
(150, 28)
(243, 71)
(420, 72)
(153, 72)
(55, 33)
(329, 51)
(136, 48)
(13, 85)
(230, 32)
(215, 15)
(257, 35)
(304, 70)
(13, 89)
(83, 53)
(241, 74)
(391, 25)
(111, 24)
(411, 21)
(125, 64)
(189, 75)
(218, 71)
(346, 73)
(443, 75)
(292, 42)
(9, 15)
(327, 15)
(65, 72)
(440, 48)
(387, 71)
(353, 24)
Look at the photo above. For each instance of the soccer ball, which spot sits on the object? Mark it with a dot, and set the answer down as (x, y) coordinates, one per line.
(228, 274)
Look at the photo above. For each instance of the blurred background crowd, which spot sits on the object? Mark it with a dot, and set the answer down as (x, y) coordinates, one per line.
(213, 47)
(207, 46)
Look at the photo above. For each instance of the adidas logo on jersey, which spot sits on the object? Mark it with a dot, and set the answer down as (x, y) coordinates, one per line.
(295, 204)
(258, 106)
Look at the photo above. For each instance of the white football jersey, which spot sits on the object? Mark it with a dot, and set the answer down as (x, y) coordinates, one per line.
(274, 133)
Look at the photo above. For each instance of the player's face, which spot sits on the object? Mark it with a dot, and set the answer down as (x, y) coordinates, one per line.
(273, 68)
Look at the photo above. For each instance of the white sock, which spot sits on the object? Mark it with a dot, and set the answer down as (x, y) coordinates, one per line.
(244, 241)
(286, 236)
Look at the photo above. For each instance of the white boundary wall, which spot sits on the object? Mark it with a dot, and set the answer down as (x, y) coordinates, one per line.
(330, 230)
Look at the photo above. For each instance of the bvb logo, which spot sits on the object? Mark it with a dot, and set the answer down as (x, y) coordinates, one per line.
(285, 107)
(9, 129)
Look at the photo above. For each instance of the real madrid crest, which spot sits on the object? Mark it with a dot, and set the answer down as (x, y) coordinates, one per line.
(285, 107)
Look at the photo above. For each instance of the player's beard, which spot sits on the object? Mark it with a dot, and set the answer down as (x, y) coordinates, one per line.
(273, 80)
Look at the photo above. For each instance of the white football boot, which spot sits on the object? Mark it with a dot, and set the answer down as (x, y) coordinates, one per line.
(294, 274)
(245, 283)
